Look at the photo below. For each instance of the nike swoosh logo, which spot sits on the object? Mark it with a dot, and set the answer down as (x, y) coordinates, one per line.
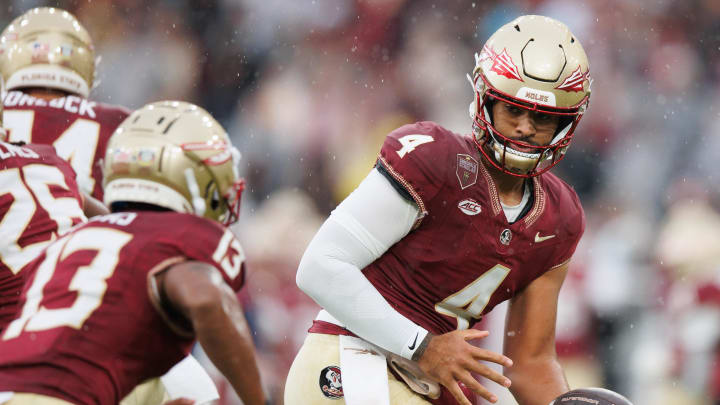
(539, 238)
(412, 346)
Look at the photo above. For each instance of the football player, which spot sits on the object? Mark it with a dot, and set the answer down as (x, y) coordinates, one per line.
(444, 228)
(47, 61)
(39, 200)
(123, 297)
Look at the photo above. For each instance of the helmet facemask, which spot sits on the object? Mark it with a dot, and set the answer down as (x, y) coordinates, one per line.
(507, 154)
(225, 208)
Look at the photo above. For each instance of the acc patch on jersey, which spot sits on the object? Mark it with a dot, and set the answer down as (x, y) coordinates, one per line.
(469, 206)
(467, 170)
(331, 382)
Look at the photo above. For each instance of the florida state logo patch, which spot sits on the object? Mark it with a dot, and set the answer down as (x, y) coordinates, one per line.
(331, 382)
(467, 170)
(505, 237)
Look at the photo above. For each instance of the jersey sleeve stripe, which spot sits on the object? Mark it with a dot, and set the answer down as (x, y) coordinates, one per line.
(399, 178)
(154, 294)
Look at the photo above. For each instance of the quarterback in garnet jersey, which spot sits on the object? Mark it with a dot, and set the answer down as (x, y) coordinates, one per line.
(444, 228)
(122, 298)
(39, 200)
(466, 230)
(47, 61)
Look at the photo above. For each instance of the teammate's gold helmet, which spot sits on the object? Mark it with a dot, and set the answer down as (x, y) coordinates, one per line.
(175, 155)
(47, 47)
(537, 64)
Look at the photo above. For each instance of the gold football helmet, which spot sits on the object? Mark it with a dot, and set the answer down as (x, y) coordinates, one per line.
(47, 47)
(174, 155)
(537, 64)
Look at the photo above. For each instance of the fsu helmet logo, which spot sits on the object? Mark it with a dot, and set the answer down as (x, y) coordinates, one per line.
(575, 81)
(331, 382)
(502, 63)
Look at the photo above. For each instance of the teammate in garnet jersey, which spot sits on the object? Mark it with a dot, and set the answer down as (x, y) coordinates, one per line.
(39, 200)
(122, 298)
(48, 63)
(445, 227)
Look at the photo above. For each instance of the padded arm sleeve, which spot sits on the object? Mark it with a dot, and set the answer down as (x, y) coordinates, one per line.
(365, 225)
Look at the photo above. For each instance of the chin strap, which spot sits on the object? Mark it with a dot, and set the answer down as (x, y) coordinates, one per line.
(197, 201)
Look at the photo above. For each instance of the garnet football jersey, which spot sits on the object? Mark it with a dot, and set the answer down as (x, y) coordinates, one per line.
(91, 326)
(463, 257)
(39, 200)
(78, 128)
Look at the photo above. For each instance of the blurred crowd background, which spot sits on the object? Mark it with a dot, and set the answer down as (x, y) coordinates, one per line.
(308, 89)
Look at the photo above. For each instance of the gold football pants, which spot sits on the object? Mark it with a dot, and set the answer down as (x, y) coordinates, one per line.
(151, 392)
(20, 398)
(310, 380)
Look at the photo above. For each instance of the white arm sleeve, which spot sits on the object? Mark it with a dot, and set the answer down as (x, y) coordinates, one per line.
(366, 224)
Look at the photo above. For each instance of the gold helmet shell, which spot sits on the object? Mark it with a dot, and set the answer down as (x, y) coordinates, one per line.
(175, 155)
(535, 63)
(47, 47)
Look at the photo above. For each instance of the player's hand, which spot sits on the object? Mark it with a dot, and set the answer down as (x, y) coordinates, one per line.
(180, 401)
(450, 359)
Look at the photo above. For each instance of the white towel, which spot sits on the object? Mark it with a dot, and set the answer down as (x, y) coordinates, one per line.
(188, 379)
(363, 370)
(5, 396)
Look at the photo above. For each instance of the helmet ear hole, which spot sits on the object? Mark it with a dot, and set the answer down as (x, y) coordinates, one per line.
(215, 200)
(212, 196)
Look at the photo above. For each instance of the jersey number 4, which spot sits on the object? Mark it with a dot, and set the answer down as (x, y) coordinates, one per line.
(410, 142)
(89, 280)
(470, 302)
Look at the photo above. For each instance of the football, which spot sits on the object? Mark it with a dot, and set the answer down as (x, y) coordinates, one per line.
(591, 396)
